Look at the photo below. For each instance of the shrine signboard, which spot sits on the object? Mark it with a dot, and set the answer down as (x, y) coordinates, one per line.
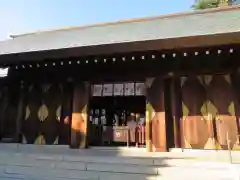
(97, 90)
(129, 89)
(119, 89)
(107, 90)
(140, 89)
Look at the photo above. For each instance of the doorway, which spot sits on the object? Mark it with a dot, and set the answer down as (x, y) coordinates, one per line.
(117, 120)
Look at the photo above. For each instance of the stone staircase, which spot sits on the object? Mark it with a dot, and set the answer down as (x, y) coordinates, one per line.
(76, 167)
(82, 165)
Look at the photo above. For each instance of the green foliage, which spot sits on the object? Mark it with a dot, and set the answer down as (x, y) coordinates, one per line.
(205, 4)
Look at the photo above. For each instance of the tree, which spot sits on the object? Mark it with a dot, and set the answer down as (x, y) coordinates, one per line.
(206, 4)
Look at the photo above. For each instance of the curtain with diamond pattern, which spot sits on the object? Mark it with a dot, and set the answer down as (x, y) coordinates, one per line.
(42, 114)
(208, 106)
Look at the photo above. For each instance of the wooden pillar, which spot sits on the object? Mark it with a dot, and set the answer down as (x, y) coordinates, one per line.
(20, 114)
(66, 116)
(3, 108)
(1, 112)
(80, 116)
(176, 110)
(236, 88)
(148, 127)
(155, 116)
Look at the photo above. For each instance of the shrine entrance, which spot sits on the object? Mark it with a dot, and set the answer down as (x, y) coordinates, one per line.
(117, 114)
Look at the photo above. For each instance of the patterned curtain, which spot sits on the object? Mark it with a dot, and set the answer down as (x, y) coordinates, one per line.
(221, 102)
(208, 106)
(194, 127)
(42, 114)
(31, 123)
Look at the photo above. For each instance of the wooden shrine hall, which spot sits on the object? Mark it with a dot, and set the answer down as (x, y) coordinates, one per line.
(176, 78)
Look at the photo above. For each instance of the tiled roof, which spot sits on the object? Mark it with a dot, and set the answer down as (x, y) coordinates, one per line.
(216, 21)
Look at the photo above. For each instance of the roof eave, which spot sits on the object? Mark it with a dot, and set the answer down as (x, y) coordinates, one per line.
(159, 45)
(189, 13)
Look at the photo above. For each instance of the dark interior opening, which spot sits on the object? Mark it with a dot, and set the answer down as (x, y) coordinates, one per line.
(117, 112)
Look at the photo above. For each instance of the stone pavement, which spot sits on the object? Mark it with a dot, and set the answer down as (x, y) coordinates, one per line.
(210, 156)
(31, 162)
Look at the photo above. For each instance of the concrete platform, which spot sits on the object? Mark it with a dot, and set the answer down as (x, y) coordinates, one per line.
(33, 162)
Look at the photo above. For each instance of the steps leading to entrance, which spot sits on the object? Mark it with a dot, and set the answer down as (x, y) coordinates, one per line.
(74, 167)
(49, 163)
(46, 167)
(81, 163)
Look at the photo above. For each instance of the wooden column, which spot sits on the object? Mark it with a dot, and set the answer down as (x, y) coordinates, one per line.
(79, 123)
(236, 86)
(3, 107)
(66, 116)
(155, 116)
(20, 114)
(176, 110)
(1, 112)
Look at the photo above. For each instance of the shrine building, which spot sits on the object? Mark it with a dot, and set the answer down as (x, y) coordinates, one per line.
(161, 82)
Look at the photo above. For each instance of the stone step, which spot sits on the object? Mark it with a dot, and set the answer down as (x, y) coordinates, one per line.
(122, 164)
(71, 174)
(21, 161)
(147, 161)
(34, 173)
(79, 158)
(17, 166)
(10, 176)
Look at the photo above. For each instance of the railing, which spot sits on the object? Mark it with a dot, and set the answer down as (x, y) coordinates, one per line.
(140, 136)
(100, 135)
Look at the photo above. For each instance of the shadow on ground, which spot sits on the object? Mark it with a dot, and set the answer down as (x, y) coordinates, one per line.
(127, 163)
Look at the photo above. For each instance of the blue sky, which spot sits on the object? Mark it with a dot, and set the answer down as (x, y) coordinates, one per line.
(21, 16)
